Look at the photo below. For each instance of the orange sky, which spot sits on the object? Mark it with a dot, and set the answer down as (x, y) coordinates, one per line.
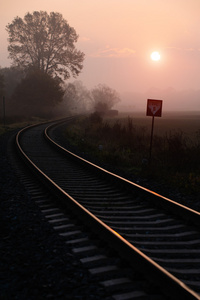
(118, 37)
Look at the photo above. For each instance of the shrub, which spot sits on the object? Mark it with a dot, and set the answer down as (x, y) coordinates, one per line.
(96, 118)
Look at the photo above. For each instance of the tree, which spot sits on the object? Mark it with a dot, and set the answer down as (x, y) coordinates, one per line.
(104, 98)
(76, 97)
(45, 42)
(37, 95)
(12, 77)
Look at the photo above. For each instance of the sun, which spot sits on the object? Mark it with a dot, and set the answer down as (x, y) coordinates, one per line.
(155, 56)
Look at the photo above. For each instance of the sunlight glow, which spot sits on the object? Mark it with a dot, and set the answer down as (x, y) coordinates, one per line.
(155, 56)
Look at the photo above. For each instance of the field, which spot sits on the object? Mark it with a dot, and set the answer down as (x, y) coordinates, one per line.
(187, 122)
(123, 142)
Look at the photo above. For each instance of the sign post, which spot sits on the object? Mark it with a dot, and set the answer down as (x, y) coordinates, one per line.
(154, 109)
(4, 112)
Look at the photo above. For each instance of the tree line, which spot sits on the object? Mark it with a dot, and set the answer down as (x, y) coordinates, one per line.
(43, 53)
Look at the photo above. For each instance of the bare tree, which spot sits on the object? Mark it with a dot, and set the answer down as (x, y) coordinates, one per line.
(45, 42)
(104, 98)
(77, 97)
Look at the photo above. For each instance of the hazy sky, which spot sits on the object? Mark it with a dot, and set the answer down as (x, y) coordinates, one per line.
(118, 37)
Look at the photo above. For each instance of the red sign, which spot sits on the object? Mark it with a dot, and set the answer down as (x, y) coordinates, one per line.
(154, 108)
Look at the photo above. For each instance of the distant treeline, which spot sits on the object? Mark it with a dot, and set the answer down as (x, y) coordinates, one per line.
(37, 94)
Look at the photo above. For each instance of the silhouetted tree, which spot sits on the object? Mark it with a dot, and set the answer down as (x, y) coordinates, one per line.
(76, 97)
(45, 42)
(37, 95)
(104, 98)
(12, 77)
(69, 96)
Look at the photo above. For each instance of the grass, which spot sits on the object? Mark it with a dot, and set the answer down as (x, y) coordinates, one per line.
(16, 123)
(124, 144)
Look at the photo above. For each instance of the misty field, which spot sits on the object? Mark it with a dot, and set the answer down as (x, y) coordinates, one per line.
(187, 122)
(123, 143)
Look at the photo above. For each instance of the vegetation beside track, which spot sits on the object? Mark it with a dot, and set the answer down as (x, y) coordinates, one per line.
(13, 123)
(125, 145)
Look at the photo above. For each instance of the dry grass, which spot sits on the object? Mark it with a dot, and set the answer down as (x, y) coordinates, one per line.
(125, 144)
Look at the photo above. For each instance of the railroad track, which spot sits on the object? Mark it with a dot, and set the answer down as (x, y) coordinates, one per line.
(154, 235)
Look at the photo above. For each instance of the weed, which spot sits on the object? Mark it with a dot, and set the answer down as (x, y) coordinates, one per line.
(125, 145)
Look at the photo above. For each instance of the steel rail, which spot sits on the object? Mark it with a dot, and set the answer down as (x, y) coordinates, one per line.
(189, 215)
(138, 260)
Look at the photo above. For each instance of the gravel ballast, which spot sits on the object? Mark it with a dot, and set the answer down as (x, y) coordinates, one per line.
(35, 261)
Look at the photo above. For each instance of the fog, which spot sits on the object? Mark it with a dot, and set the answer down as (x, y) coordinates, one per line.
(117, 49)
(173, 100)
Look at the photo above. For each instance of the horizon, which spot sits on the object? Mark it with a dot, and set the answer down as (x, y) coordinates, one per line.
(118, 50)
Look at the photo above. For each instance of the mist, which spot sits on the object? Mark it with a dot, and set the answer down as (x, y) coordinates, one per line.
(173, 100)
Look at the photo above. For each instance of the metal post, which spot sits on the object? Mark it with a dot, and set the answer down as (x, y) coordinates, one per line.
(151, 139)
(4, 112)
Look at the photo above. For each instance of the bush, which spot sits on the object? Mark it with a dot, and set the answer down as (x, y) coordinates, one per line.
(96, 118)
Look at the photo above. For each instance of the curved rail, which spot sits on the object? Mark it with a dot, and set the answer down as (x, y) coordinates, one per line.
(190, 215)
(135, 257)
